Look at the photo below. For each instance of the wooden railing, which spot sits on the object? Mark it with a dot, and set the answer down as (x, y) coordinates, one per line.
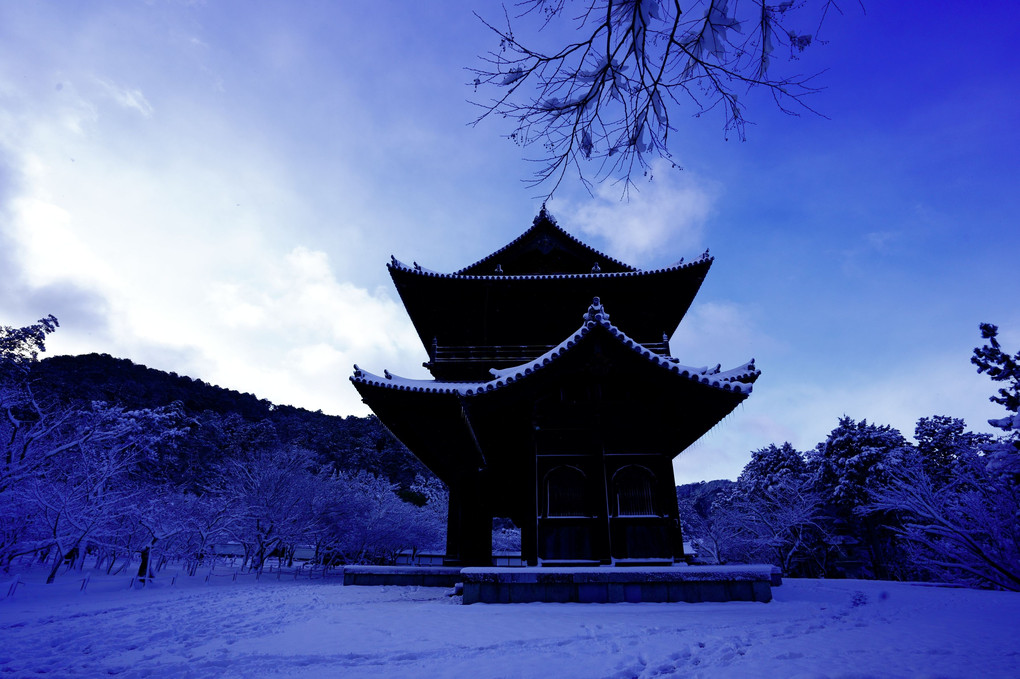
(509, 353)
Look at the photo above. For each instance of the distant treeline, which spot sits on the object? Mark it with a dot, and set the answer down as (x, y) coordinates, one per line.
(867, 503)
(105, 460)
(102, 457)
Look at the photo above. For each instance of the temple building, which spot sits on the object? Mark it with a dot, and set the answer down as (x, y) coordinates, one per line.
(555, 400)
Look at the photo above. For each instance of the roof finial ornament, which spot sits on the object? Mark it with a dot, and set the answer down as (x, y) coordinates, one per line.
(596, 268)
(417, 266)
(388, 374)
(544, 215)
(596, 312)
(499, 268)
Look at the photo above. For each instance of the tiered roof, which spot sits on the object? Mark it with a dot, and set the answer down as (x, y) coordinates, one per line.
(653, 403)
(543, 276)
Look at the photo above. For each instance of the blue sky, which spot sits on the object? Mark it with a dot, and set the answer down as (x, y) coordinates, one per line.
(214, 188)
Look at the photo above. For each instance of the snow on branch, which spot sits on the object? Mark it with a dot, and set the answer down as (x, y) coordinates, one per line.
(602, 104)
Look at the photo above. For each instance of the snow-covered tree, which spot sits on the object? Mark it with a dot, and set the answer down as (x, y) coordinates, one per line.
(370, 521)
(165, 519)
(1001, 367)
(704, 525)
(850, 466)
(941, 442)
(20, 347)
(772, 467)
(430, 516)
(604, 103)
(267, 489)
(29, 431)
(208, 520)
(81, 494)
(959, 496)
(964, 530)
(775, 513)
(856, 459)
(65, 471)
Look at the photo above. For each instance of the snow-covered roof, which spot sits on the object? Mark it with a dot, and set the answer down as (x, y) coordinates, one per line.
(417, 269)
(738, 380)
(544, 219)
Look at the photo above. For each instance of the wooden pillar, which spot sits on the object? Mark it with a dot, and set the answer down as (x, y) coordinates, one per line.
(531, 506)
(667, 501)
(469, 523)
(529, 541)
(453, 526)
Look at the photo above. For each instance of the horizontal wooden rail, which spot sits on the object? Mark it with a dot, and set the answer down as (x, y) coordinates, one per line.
(509, 353)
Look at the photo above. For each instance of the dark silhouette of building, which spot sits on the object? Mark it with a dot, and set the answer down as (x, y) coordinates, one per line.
(543, 409)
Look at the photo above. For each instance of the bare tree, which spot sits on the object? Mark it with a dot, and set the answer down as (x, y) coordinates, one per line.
(602, 104)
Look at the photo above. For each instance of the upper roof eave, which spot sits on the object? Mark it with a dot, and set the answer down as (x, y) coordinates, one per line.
(545, 220)
(396, 265)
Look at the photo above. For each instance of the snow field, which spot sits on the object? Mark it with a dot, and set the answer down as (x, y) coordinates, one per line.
(280, 628)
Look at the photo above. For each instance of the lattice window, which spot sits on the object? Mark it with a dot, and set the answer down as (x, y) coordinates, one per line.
(633, 487)
(565, 492)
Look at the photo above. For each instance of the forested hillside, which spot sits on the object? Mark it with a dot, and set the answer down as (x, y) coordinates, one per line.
(213, 414)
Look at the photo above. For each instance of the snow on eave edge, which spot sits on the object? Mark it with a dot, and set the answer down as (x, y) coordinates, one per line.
(421, 271)
(738, 380)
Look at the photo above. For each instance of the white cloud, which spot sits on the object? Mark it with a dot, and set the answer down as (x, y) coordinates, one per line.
(188, 238)
(51, 249)
(295, 336)
(664, 214)
(130, 98)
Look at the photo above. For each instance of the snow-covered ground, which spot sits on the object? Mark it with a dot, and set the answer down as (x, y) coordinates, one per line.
(319, 628)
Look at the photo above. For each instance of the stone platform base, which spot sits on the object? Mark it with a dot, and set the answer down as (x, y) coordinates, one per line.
(402, 576)
(691, 584)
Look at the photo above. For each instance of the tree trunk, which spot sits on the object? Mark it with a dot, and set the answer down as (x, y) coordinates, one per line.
(58, 558)
(145, 567)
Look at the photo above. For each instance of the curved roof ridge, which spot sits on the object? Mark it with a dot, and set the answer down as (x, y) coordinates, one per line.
(397, 264)
(545, 218)
(392, 381)
(745, 372)
(738, 379)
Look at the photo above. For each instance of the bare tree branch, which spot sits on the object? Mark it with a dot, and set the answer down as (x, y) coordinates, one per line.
(601, 105)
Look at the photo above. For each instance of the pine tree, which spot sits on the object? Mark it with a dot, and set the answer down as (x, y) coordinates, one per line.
(1001, 367)
(854, 463)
